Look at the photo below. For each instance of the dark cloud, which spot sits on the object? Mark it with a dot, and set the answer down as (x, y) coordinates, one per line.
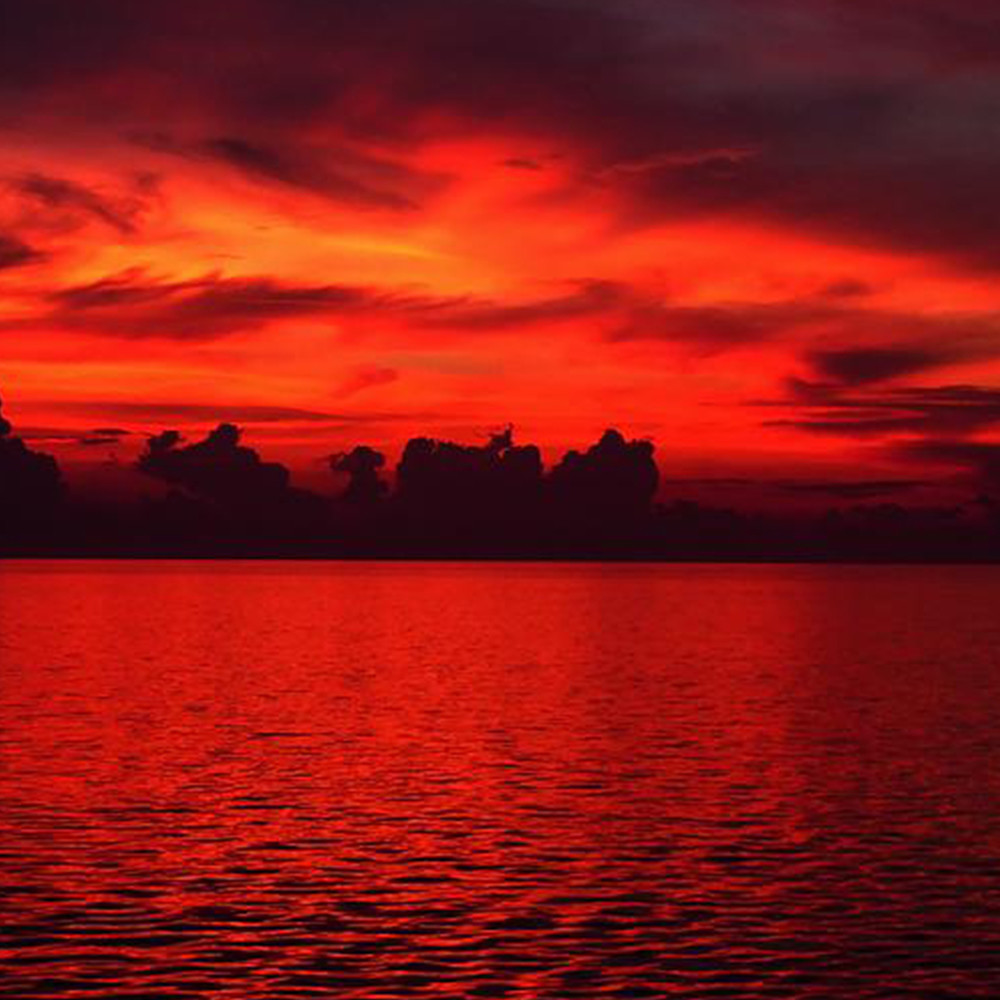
(495, 498)
(447, 479)
(868, 489)
(15, 253)
(857, 122)
(927, 411)
(948, 207)
(861, 365)
(61, 195)
(340, 173)
(716, 326)
(847, 288)
(978, 459)
(97, 440)
(152, 412)
(46, 44)
(219, 467)
(367, 377)
(308, 173)
(30, 487)
(612, 479)
(361, 465)
(311, 424)
(222, 493)
(137, 306)
(949, 35)
(485, 500)
(97, 436)
(627, 313)
(522, 163)
(841, 489)
(590, 298)
(965, 336)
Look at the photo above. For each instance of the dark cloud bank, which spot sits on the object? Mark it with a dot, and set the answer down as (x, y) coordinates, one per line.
(217, 497)
(872, 124)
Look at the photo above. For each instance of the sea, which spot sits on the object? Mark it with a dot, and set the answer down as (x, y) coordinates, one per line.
(516, 780)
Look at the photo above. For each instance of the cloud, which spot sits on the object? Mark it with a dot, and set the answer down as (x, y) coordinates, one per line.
(308, 173)
(134, 305)
(61, 195)
(936, 206)
(97, 440)
(980, 459)
(341, 173)
(147, 414)
(628, 313)
(711, 159)
(367, 377)
(923, 411)
(30, 484)
(153, 412)
(362, 466)
(947, 34)
(522, 163)
(716, 326)
(868, 489)
(861, 365)
(847, 288)
(612, 479)
(588, 299)
(15, 253)
(95, 436)
(826, 315)
(218, 467)
(449, 479)
(868, 124)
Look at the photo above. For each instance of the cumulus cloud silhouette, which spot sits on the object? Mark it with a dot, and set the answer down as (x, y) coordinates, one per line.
(443, 476)
(362, 465)
(30, 484)
(613, 478)
(218, 467)
(224, 494)
(494, 500)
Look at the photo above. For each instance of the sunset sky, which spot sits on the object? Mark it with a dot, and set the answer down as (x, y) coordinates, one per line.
(765, 235)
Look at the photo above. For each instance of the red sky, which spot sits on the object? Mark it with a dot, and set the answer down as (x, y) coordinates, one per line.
(764, 235)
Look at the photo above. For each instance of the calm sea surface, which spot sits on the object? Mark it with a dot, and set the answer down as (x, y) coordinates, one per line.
(258, 780)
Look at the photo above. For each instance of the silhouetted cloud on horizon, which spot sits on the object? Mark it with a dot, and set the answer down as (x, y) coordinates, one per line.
(218, 467)
(30, 485)
(494, 499)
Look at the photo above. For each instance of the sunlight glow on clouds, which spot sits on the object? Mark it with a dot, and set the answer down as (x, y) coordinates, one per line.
(764, 235)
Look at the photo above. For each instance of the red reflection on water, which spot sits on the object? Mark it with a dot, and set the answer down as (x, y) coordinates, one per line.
(404, 780)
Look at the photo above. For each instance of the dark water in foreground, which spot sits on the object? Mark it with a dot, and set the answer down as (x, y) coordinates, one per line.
(315, 780)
